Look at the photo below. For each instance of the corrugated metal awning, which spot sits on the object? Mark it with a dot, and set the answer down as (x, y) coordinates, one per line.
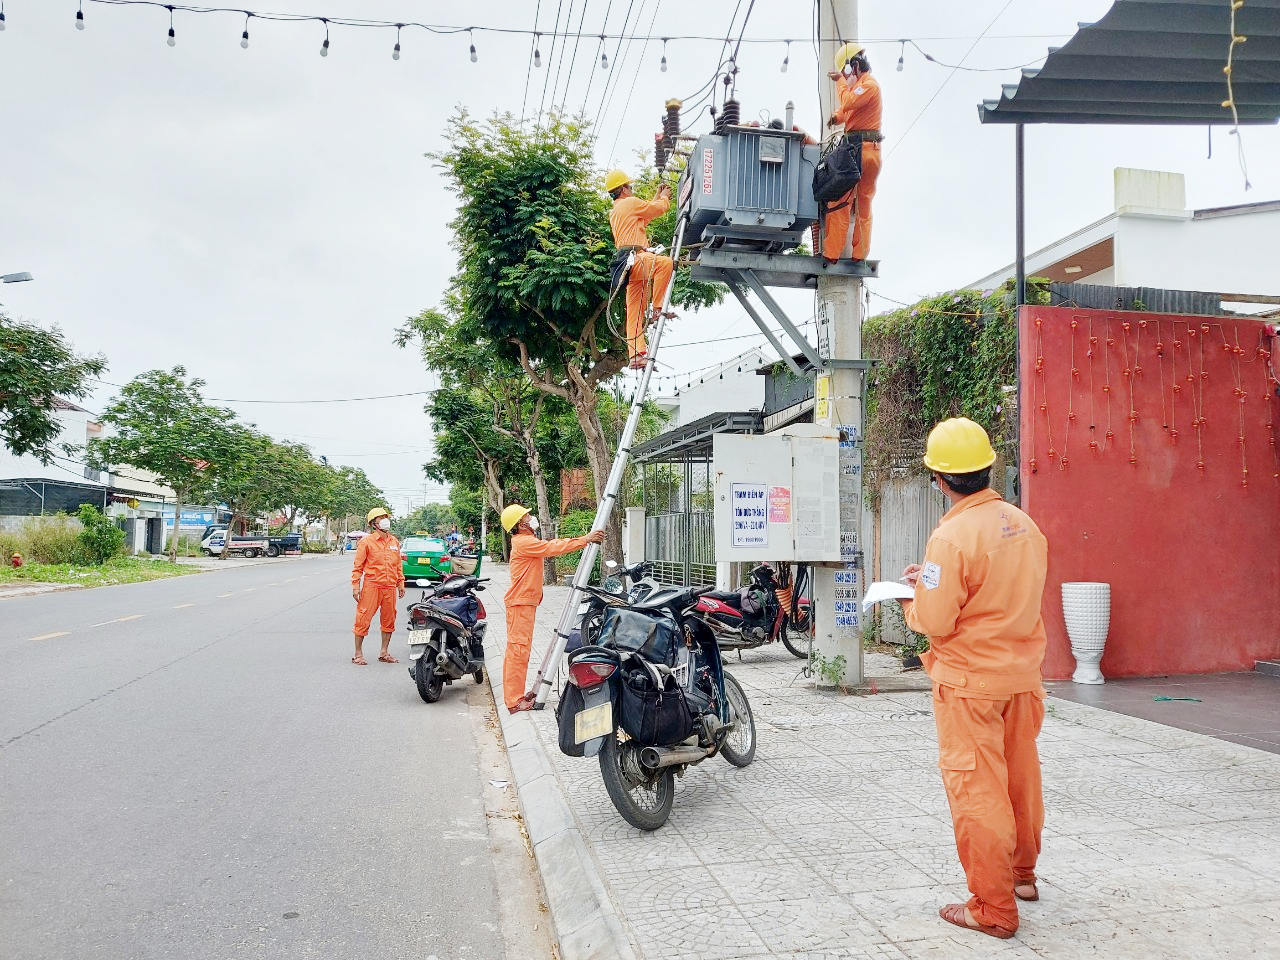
(1149, 62)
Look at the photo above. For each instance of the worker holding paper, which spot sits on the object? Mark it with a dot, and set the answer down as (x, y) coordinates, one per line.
(977, 598)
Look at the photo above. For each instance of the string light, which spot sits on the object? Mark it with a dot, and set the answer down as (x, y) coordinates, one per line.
(537, 51)
(1, 14)
(80, 16)
(787, 59)
(901, 55)
(474, 58)
(604, 57)
(324, 49)
(172, 41)
(244, 37)
(395, 52)
(663, 65)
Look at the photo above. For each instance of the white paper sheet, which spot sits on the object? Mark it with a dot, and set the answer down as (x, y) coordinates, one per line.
(887, 590)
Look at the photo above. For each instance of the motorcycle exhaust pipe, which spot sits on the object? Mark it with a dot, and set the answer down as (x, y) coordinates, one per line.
(442, 659)
(655, 758)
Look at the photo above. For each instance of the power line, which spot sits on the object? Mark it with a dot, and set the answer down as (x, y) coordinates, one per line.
(528, 72)
(644, 51)
(560, 63)
(388, 396)
(616, 64)
(591, 73)
(573, 60)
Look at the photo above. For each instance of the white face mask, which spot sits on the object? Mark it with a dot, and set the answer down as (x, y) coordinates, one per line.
(384, 524)
(533, 523)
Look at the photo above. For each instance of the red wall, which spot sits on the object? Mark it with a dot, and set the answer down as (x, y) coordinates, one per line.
(1192, 552)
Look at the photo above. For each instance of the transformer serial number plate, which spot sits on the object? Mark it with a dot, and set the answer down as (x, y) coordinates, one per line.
(593, 722)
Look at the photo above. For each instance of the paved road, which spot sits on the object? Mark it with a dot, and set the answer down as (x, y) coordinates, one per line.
(193, 768)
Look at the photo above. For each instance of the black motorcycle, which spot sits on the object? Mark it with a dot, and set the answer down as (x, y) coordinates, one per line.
(446, 635)
(648, 694)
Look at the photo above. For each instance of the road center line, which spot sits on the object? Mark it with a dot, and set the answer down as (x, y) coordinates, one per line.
(50, 636)
(250, 589)
(181, 605)
(133, 616)
(225, 595)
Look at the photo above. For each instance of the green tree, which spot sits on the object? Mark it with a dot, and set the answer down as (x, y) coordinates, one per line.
(247, 479)
(434, 518)
(160, 423)
(534, 246)
(99, 537)
(38, 366)
(351, 495)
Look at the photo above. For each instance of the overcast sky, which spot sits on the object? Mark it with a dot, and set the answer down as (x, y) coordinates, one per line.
(265, 216)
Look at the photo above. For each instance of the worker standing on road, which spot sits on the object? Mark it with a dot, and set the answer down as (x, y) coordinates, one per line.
(859, 113)
(379, 562)
(522, 599)
(977, 598)
(650, 273)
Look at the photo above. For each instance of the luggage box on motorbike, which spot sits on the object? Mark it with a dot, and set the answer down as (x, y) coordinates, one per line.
(653, 638)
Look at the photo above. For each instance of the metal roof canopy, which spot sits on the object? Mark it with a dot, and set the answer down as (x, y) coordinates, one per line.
(1151, 62)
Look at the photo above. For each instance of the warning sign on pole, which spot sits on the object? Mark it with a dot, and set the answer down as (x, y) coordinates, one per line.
(750, 515)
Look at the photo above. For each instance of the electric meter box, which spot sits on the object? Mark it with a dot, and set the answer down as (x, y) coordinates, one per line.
(777, 496)
(750, 186)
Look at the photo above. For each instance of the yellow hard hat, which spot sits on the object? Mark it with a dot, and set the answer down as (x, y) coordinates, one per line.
(615, 179)
(512, 515)
(958, 445)
(375, 513)
(846, 53)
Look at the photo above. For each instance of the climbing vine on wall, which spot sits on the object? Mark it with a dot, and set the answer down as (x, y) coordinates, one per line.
(946, 356)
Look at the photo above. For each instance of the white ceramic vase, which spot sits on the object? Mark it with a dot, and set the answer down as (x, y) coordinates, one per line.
(1086, 607)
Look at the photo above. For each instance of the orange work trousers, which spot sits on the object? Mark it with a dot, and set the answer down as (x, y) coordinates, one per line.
(857, 200)
(375, 598)
(647, 286)
(515, 663)
(991, 771)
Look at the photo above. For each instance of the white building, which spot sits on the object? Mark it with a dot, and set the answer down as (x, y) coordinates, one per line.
(729, 386)
(1151, 239)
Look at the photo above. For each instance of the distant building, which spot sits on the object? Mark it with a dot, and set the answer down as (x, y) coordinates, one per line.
(731, 385)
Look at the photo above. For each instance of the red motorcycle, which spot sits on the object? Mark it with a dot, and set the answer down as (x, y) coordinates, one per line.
(770, 607)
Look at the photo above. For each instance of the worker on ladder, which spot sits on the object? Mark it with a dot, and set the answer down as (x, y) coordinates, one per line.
(859, 112)
(645, 274)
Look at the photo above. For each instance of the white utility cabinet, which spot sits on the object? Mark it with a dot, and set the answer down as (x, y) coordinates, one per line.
(777, 496)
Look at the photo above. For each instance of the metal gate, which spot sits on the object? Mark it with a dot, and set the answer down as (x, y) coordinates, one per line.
(679, 535)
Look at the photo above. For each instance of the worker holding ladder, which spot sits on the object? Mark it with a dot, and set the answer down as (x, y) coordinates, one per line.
(646, 275)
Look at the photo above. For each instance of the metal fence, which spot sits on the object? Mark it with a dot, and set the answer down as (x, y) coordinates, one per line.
(681, 547)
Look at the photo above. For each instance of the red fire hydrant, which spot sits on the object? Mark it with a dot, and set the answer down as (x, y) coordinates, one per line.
(16, 560)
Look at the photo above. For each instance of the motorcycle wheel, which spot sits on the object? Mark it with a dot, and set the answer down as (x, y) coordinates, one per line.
(429, 683)
(478, 676)
(796, 639)
(644, 801)
(739, 747)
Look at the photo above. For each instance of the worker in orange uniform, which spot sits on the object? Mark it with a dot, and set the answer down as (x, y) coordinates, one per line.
(859, 113)
(650, 273)
(977, 598)
(527, 554)
(379, 562)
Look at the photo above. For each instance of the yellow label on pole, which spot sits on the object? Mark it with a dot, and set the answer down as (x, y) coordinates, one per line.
(822, 398)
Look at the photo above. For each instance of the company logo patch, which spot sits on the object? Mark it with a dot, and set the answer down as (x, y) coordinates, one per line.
(931, 576)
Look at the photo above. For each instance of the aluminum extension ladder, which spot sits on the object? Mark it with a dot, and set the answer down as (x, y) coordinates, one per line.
(551, 660)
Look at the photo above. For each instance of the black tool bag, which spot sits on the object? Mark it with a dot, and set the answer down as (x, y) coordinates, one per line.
(620, 269)
(652, 637)
(653, 715)
(571, 703)
(838, 172)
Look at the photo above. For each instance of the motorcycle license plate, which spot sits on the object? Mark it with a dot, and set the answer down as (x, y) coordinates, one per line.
(593, 722)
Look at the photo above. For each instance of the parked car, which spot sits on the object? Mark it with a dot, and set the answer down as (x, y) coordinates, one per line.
(425, 558)
(214, 539)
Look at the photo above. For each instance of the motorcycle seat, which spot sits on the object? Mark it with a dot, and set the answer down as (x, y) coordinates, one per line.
(730, 598)
(661, 599)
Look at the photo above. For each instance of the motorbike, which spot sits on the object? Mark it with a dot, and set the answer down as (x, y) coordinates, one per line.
(446, 634)
(648, 695)
(761, 612)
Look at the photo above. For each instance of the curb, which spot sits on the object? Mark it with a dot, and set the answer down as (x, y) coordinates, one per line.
(14, 590)
(586, 925)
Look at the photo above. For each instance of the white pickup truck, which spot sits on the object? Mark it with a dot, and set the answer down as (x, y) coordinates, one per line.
(214, 543)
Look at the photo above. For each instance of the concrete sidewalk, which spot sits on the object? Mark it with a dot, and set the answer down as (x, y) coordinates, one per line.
(836, 842)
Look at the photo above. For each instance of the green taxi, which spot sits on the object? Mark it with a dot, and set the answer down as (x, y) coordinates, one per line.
(425, 558)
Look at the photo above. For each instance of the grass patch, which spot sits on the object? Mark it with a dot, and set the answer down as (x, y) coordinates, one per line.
(116, 570)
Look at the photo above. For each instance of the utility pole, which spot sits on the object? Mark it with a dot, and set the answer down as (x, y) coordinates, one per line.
(838, 587)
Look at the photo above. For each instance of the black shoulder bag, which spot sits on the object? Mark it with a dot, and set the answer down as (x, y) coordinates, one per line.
(839, 171)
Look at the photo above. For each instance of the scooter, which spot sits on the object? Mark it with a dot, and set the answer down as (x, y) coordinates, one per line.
(648, 696)
(446, 635)
(755, 615)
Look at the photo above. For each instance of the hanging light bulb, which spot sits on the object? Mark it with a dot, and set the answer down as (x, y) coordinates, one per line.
(1, 16)
(395, 53)
(324, 48)
(80, 18)
(787, 59)
(604, 57)
(537, 52)
(474, 58)
(663, 66)
(172, 39)
(902, 54)
(244, 37)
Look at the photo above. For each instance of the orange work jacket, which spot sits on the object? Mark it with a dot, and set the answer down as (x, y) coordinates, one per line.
(630, 218)
(378, 560)
(859, 103)
(978, 599)
(527, 554)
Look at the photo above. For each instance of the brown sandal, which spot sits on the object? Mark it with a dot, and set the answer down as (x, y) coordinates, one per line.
(388, 658)
(360, 661)
(954, 913)
(1035, 892)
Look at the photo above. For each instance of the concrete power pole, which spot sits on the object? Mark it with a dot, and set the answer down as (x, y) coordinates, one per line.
(838, 587)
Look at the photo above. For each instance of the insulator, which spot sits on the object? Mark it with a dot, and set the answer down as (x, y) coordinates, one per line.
(659, 152)
(730, 113)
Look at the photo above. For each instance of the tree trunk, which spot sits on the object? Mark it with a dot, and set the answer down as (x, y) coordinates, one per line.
(179, 496)
(493, 491)
(226, 543)
(601, 460)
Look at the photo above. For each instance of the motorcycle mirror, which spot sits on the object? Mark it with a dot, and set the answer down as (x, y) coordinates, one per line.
(423, 583)
(611, 564)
